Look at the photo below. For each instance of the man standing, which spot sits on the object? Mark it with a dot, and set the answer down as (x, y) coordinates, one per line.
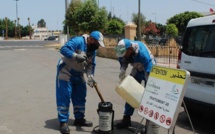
(139, 56)
(78, 57)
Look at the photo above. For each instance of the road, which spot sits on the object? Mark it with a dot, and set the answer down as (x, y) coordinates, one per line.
(27, 95)
(23, 44)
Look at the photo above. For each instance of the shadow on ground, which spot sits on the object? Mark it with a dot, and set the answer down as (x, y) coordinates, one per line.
(202, 123)
(54, 124)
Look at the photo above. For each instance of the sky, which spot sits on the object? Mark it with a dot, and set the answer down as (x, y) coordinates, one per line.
(53, 11)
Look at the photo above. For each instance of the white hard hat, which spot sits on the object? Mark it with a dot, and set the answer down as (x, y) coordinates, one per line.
(120, 49)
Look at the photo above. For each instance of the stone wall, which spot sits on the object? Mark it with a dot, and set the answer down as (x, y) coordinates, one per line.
(106, 53)
(171, 48)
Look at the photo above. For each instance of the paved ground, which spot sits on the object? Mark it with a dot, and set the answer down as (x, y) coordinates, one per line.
(27, 95)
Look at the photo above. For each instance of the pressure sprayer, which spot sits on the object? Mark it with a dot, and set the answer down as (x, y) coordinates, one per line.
(106, 115)
(105, 112)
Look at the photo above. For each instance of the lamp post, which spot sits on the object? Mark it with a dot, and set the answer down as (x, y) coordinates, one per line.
(155, 16)
(16, 11)
(17, 21)
(139, 25)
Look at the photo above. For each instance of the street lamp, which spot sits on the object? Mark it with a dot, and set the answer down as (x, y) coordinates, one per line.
(16, 11)
(155, 16)
(17, 20)
(139, 24)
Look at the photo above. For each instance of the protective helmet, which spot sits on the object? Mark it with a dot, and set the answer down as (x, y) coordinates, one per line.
(120, 49)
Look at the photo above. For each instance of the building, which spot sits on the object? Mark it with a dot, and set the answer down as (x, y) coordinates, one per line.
(39, 33)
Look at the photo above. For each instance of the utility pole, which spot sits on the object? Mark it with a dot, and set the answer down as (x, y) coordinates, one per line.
(139, 25)
(29, 27)
(67, 27)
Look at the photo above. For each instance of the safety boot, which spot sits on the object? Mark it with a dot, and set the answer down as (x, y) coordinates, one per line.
(83, 122)
(125, 123)
(64, 129)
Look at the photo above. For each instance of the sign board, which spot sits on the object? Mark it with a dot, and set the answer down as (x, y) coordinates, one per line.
(163, 95)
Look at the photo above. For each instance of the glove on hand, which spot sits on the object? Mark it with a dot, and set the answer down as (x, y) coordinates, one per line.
(91, 81)
(122, 75)
(80, 57)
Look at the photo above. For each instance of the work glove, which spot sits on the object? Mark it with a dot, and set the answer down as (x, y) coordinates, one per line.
(91, 81)
(81, 57)
(122, 75)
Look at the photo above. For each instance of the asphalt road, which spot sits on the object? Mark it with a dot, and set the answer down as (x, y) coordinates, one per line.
(27, 95)
(24, 44)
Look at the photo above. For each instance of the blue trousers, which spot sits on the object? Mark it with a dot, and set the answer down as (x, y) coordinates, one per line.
(73, 90)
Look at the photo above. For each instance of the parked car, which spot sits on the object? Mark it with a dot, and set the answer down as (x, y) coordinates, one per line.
(178, 40)
(50, 38)
(197, 55)
(163, 41)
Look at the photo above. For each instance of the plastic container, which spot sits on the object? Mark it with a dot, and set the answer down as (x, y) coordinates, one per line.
(131, 91)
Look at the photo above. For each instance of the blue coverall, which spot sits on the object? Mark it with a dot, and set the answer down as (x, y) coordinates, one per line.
(70, 81)
(142, 62)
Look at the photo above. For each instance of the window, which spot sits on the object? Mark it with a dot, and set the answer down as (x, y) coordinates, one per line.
(200, 41)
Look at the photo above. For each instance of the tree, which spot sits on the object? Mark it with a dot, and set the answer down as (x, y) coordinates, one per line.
(161, 28)
(25, 30)
(142, 20)
(19, 29)
(74, 7)
(86, 16)
(115, 27)
(150, 29)
(41, 23)
(181, 20)
(29, 27)
(171, 30)
(109, 16)
(11, 27)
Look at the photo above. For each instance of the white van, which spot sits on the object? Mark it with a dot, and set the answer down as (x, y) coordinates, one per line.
(197, 55)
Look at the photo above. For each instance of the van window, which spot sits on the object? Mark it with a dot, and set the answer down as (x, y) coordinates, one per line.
(200, 41)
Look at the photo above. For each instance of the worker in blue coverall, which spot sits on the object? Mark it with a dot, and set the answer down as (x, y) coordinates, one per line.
(137, 54)
(78, 57)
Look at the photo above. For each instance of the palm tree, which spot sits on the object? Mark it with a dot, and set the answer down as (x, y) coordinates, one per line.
(19, 29)
(29, 27)
(15, 29)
